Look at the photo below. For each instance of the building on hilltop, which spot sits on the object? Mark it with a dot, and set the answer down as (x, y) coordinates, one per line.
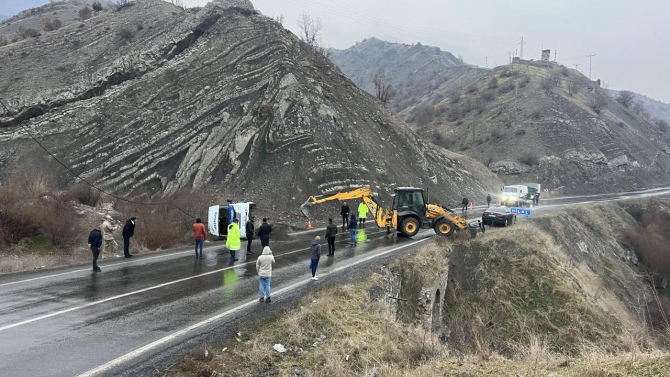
(546, 55)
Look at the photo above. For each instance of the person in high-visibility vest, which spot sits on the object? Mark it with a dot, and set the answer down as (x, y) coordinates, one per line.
(362, 213)
(233, 242)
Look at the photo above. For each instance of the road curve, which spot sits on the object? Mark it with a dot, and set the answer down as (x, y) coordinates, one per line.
(140, 314)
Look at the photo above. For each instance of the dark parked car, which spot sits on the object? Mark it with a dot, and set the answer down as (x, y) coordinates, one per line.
(498, 216)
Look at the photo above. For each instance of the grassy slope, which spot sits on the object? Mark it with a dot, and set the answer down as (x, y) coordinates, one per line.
(551, 296)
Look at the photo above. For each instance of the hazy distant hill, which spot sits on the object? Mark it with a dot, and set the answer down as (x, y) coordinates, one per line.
(555, 135)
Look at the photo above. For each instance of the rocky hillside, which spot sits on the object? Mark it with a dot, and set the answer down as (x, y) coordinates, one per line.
(557, 127)
(153, 98)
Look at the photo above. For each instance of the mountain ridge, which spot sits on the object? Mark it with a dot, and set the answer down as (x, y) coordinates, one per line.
(155, 99)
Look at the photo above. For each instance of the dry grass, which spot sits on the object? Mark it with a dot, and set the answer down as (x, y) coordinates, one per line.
(517, 303)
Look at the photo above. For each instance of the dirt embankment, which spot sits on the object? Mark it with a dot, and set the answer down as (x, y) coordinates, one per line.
(556, 294)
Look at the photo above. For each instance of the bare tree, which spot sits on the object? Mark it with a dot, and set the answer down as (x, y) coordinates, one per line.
(310, 29)
(279, 19)
(383, 90)
(625, 98)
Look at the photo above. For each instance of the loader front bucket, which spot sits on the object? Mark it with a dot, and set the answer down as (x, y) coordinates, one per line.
(305, 208)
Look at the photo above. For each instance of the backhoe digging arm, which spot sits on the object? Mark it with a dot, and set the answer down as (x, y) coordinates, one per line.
(364, 193)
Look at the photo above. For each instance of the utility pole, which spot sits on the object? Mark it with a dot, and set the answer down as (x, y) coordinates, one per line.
(521, 50)
(555, 51)
(590, 56)
(487, 62)
(577, 67)
(510, 57)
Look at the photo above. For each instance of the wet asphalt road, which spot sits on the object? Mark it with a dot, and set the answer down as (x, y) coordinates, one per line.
(67, 321)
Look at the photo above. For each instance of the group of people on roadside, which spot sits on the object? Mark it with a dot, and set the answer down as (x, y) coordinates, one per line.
(101, 239)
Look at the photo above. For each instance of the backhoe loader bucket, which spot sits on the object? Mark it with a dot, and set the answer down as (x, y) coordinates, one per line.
(305, 208)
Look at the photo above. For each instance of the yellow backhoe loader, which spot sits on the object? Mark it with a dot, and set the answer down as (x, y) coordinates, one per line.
(409, 212)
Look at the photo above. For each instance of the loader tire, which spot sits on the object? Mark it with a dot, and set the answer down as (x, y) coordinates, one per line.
(409, 227)
(443, 228)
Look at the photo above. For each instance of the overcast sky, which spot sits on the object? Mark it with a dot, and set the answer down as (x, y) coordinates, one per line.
(630, 38)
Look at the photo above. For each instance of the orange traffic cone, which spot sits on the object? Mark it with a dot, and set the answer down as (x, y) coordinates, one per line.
(309, 225)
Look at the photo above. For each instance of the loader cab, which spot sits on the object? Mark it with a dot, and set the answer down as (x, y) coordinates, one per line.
(409, 199)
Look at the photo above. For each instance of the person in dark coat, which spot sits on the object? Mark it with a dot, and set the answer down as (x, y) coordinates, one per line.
(264, 233)
(488, 200)
(353, 224)
(331, 231)
(315, 255)
(344, 211)
(94, 243)
(465, 203)
(249, 231)
(128, 231)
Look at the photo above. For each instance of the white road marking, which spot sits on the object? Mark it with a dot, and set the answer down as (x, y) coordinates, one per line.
(128, 262)
(153, 345)
(31, 320)
(107, 265)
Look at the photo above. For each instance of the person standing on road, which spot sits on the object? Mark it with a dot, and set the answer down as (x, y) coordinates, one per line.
(264, 233)
(264, 269)
(128, 231)
(94, 243)
(536, 199)
(353, 229)
(200, 235)
(488, 200)
(109, 244)
(331, 231)
(344, 211)
(233, 242)
(249, 230)
(465, 203)
(362, 214)
(315, 251)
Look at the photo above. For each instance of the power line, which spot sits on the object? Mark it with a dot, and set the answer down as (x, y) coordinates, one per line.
(25, 129)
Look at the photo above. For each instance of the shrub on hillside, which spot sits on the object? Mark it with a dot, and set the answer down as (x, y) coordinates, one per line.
(662, 125)
(488, 96)
(537, 115)
(525, 80)
(3, 41)
(547, 83)
(125, 34)
(120, 4)
(26, 33)
(96, 6)
(493, 83)
(425, 113)
(497, 135)
(520, 132)
(58, 219)
(472, 89)
(50, 25)
(506, 88)
(625, 98)
(529, 158)
(17, 216)
(597, 102)
(85, 13)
